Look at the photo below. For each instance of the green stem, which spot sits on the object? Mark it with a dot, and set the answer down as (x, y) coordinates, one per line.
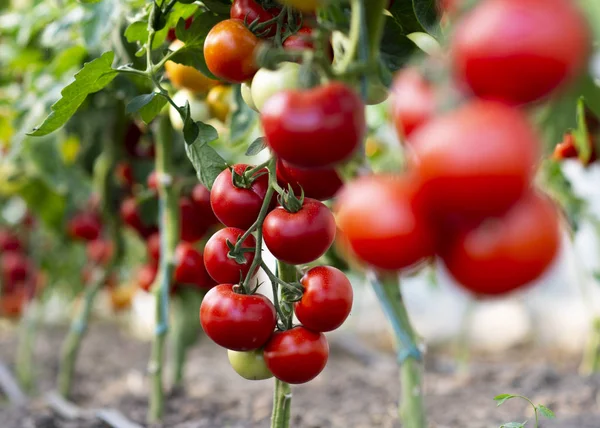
(169, 237)
(354, 36)
(591, 357)
(411, 408)
(27, 332)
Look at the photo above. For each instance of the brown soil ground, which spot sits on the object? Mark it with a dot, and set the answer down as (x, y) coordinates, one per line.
(356, 390)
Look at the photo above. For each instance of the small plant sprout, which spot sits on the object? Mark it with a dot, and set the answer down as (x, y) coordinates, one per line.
(539, 409)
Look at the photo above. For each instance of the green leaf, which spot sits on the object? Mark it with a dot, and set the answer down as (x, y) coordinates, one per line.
(514, 425)
(396, 48)
(93, 77)
(502, 398)
(243, 117)
(148, 105)
(257, 146)
(416, 15)
(581, 134)
(206, 161)
(220, 7)
(137, 31)
(546, 412)
(67, 59)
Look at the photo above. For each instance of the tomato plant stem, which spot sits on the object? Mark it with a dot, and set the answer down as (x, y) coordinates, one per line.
(169, 237)
(591, 356)
(27, 332)
(411, 408)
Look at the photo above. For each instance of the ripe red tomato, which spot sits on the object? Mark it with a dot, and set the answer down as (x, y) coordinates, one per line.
(240, 322)
(9, 241)
(320, 184)
(189, 267)
(238, 206)
(221, 268)
(131, 217)
(384, 221)
(302, 40)
(327, 299)
(316, 127)
(146, 275)
(475, 161)
(301, 237)
(153, 248)
(85, 226)
(296, 356)
(15, 268)
(201, 198)
(195, 220)
(504, 253)
(99, 251)
(229, 51)
(249, 11)
(518, 51)
(413, 102)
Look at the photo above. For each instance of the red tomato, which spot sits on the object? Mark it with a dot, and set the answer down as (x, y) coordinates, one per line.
(201, 198)
(320, 184)
(85, 226)
(171, 36)
(413, 102)
(153, 248)
(229, 51)
(15, 268)
(475, 161)
(131, 217)
(152, 181)
(297, 355)
(315, 127)
(240, 322)
(327, 299)
(238, 206)
(502, 254)
(518, 51)
(249, 11)
(146, 276)
(99, 251)
(124, 174)
(384, 221)
(9, 241)
(303, 40)
(13, 303)
(189, 267)
(221, 268)
(194, 220)
(301, 237)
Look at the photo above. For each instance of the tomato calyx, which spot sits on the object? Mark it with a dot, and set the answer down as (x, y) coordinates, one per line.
(288, 199)
(236, 251)
(250, 175)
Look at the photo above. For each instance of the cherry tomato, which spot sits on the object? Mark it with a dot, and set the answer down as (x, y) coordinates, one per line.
(302, 40)
(121, 298)
(219, 101)
(153, 248)
(502, 254)
(229, 51)
(316, 127)
(201, 199)
(195, 220)
(250, 364)
(477, 160)
(300, 237)
(85, 226)
(146, 275)
(222, 268)
(13, 303)
(240, 322)
(15, 268)
(518, 51)
(238, 206)
(383, 219)
(246, 91)
(131, 216)
(171, 36)
(296, 356)
(413, 101)
(267, 83)
(99, 251)
(9, 241)
(320, 184)
(249, 11)
(189, 267)
(187, 77)
(327, 299)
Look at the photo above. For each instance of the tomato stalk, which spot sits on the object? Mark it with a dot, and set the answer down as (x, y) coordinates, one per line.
(411, 408)
(24, 365)
(591, 357)
(185, 329)
(169, 237)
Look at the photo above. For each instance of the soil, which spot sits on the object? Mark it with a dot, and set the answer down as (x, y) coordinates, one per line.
(358, 389)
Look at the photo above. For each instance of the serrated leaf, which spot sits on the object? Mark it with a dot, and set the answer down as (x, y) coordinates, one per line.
(502, 398)
(257, 146)
(93, 77)
(514, 425)
(243, 117)
(148, 105)
(545, 412)
(206, 161)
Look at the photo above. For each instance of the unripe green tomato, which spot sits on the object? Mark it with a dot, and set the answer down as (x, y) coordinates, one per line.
(249, 365)
(377, 92)
(267, 83)
(198, 109)
(247, 95)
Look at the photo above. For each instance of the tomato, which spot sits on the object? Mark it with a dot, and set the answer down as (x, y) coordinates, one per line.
(12, 304)
(413, 102)
(219, 101)
(9, 241)
(146, 275)
(238, 206)
(171, 36)
(124, 175)
(186, 77)
(201, 199)
(189, 267)
(247, 95)
(99, 251)
(502, 254)
(195, 220)
(222, 268)
(320, 184)
(267, 83)
(327, 299)
(249, 11)
(240, 322)
(302, 40)
(121, 298)
(229, 51)
(132, 217)
(199, 110)
(384, 220)
(250, 364)
(300, 237)
(297, 355)
(315, 127)
(132, 139)
(15, 268)
(309, 6)
(85, 226)
(518, 51)
(153, 248)
(477, 160)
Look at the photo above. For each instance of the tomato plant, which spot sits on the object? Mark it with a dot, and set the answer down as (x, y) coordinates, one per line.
(249, 364)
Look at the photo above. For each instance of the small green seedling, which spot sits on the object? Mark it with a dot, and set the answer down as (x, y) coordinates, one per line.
(539, 409)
